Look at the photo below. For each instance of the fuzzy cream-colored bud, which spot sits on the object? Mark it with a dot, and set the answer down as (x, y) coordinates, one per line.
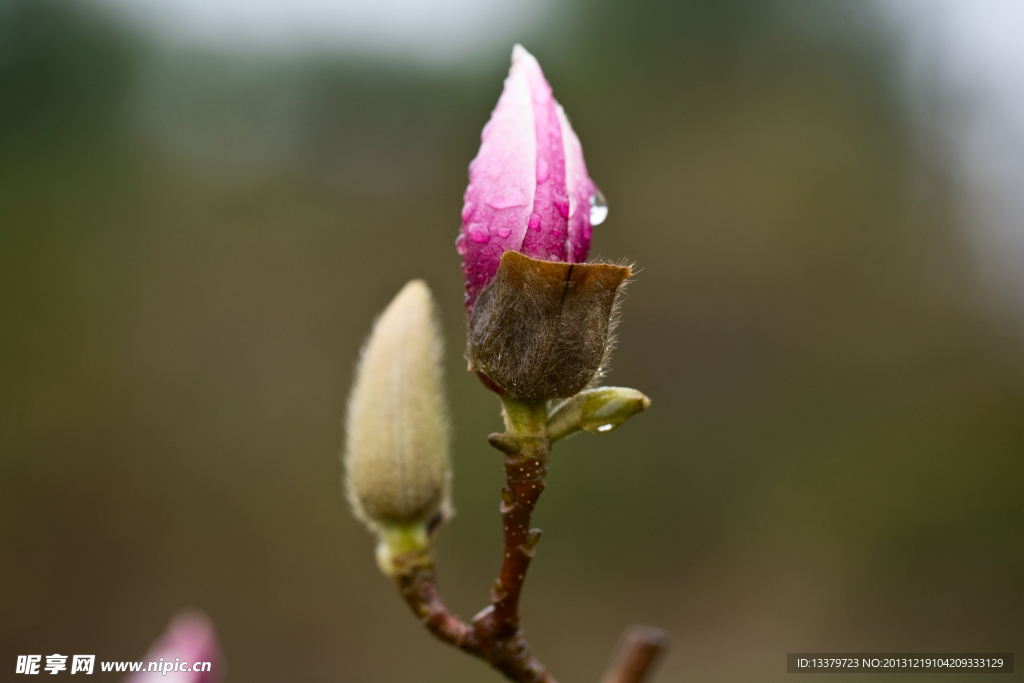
(396, 456)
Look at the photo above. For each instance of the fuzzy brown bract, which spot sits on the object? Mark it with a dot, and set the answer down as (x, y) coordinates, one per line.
(541, 329)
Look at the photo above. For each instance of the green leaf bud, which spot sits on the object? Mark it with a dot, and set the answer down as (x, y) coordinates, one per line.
(397, 467)
(595, 410)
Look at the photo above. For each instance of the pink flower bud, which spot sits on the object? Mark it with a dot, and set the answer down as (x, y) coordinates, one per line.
(528, 185)
(189, 641)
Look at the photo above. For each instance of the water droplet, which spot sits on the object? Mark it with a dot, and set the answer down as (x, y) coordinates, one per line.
(479, 233)
(598, 208)
(535, 221)
(543, 171)
(606, 428)
(467, 212)
(508, 197)
(563, 208)
(460, 245)
(504, 232)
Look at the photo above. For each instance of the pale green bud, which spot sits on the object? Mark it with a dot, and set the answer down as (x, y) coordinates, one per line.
(595, 410)
(396, 455)
(401, 547)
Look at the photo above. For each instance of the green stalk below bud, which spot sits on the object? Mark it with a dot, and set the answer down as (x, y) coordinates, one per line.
(402, 547)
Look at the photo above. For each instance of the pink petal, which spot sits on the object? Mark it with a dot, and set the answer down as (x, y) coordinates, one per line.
(190, 638)
(528, 185)
(502, 184)
(548, 222)
(580, 188)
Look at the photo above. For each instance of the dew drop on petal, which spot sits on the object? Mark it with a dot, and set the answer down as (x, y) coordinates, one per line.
(543, 170)
(504, 232)
(563, 208)
(535, 221)
(507, 197)
(460, 245)
(467, 212)
(479, 233)
(598, 208)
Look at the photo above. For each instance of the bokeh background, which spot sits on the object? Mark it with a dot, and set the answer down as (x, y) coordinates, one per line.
(203, 206)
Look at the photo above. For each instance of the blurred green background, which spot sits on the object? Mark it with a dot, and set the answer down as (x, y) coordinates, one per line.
(194, 243)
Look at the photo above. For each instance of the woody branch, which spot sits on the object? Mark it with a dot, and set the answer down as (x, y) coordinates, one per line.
(494, 635)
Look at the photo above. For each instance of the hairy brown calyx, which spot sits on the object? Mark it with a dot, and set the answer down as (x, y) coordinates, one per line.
(541, 329)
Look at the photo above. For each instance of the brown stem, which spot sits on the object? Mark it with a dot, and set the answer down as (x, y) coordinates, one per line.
(641, 646)
(524, 474)
(494, 634)
(418, 586)
(509, 654)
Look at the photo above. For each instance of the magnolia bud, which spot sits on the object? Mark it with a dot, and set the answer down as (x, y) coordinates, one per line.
(396, 454)
(597, 410)
(541, 329)
(183, 651)
(529, 190)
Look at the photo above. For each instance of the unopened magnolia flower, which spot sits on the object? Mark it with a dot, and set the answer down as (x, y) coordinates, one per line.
(396, 455)
(528, 186)
(539, 318)
(187, 652)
